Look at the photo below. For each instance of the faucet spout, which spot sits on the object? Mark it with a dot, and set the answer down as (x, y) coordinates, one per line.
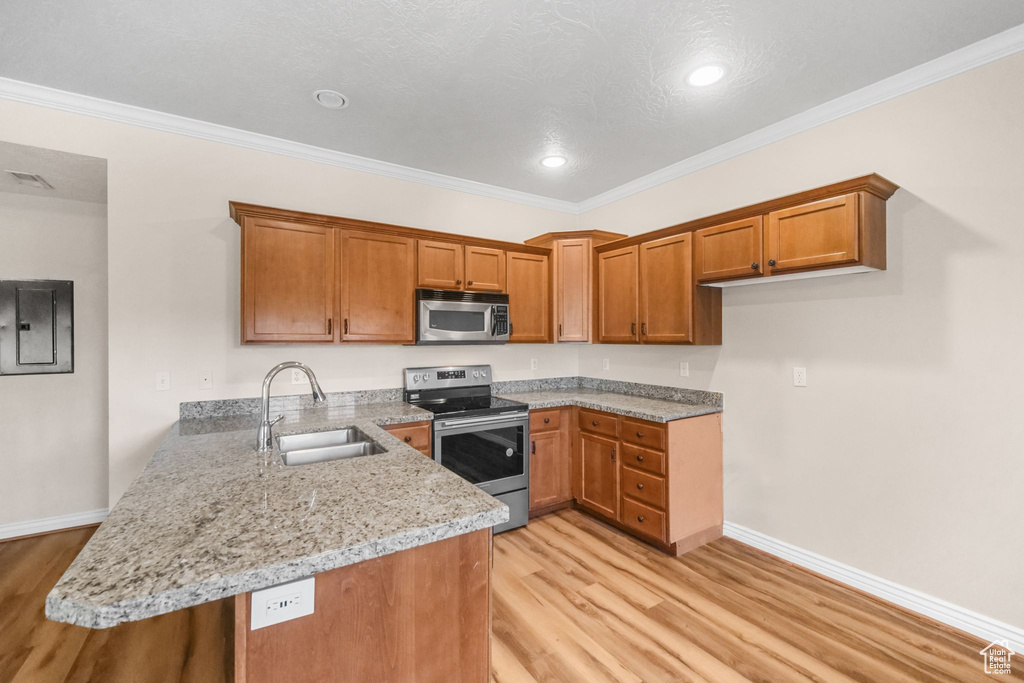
(264, 436)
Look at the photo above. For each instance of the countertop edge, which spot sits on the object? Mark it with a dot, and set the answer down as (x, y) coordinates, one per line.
(693, 410)
(107, 616)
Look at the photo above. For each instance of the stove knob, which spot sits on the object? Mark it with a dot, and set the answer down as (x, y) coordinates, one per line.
(426, 377)
(415, 378)
(476, 373)
(483, 373)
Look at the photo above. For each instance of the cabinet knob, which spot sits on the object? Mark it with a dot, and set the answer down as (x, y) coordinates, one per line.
(469, 282)
(640, 518)
(632, 328)
(754, 265)
(408, 439)
(639, 487)
(594, 423)
(458, 282)
(533, 447)
(639, 458)
(771, 262)
(613, 455)
(643, 329)
(547, 420)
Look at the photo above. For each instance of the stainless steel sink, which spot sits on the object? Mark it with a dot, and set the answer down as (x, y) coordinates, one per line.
(303, 449)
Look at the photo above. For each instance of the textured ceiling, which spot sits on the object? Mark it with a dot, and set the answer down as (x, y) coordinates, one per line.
(72, 176)
(482, 89)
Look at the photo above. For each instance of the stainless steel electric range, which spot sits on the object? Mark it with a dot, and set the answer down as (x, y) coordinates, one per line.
(480, 437)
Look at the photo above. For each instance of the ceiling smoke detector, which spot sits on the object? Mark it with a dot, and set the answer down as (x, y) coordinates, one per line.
(553, 161)
(30, 179)
(331, 99)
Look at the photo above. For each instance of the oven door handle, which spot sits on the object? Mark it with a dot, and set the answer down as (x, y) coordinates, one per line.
(488, 420)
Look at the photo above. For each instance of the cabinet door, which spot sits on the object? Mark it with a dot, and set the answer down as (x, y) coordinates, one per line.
(549, 470)
(817, 234)
(377, 287)
(617, 296)
(572, 265)
(439, 265)
(287, 282)
(729, 252)
(529, 297)
(599, 488)
(666, 291)
(485, 269)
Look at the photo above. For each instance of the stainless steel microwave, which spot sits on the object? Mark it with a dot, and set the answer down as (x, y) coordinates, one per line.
(447, 317)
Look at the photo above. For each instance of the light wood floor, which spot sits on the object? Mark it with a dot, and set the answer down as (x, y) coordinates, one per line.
(573, 600)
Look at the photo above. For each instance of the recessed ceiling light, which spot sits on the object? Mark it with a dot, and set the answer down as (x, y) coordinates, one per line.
(553, 161)
(331, 99)
(705, 75)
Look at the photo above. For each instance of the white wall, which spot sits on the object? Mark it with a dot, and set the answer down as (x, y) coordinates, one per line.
(903, 456)
(54, 427)
(174, 267)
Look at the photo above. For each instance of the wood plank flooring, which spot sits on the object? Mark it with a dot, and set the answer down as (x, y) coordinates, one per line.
(573, 600)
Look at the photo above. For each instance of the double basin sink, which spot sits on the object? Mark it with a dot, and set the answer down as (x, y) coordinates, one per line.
(337, 444)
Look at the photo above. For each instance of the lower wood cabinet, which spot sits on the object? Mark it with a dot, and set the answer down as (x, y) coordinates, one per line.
(550, 460)
(416, 434)
(662, 482)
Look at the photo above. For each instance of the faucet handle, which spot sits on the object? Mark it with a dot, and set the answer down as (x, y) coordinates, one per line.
(275, 420)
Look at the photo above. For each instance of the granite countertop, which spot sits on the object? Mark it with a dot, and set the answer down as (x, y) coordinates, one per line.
(210, 518)
(643, 407)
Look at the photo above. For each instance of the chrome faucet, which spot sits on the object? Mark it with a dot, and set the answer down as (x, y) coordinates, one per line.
(264, 437)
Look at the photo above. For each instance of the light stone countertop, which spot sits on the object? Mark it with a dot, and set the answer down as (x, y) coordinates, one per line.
(652, 409)
(210, 518)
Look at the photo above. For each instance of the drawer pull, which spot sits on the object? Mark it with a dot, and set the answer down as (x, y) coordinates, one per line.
(408, 439)
(639, 435)
(594, 423)
(640, 487)
(639, 458)
(547, 420)
(640, 518)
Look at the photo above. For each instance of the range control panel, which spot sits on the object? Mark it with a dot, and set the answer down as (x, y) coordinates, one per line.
(447, 377)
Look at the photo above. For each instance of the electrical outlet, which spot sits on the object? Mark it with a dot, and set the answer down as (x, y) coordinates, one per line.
(206, 379)
(282, 603)
(604, 364)
(533, 363)
(684, 369)
(799, 377)
(163, 381)
(298, 376)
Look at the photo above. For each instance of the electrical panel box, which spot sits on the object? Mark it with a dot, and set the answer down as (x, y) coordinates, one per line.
(37, 327)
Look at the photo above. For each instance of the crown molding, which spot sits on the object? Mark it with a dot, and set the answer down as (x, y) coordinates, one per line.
(986, 628)
(970, 57)
(29, 93)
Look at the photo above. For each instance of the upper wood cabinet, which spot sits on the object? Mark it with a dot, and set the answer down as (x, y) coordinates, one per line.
(617, 301)
(485, 269)
(439, 265)
(822, 233)
(729, 251)
(288, 281)
(666, 291)
(529, 296)
(377, 287)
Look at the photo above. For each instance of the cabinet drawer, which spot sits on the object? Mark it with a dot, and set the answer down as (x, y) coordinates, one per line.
(646, 434)
(416, 434)
(599, 423)
(545, 420)
(643, 519)
(646, 487)
(641, 458)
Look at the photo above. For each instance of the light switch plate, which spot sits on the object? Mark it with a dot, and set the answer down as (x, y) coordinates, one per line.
(206, 379)
(799, 377)
(163, 381)
(284, 602)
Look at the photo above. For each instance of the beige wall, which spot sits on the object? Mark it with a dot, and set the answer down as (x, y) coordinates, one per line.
(174, 268)
(903, 455)
(54, 427)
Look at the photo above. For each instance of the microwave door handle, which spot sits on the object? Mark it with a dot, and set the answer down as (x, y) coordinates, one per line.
(494, 320)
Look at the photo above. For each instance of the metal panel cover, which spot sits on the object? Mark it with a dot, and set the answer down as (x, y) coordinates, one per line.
(36, 327)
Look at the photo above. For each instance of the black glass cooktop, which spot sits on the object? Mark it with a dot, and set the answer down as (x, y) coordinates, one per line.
(470, 405)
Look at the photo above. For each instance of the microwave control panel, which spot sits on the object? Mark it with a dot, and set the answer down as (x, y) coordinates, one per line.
(500, 323)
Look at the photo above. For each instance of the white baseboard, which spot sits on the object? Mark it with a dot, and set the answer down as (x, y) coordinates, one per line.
(39, 526)
(976, 624)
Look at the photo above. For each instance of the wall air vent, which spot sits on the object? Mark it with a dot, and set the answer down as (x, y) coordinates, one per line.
(30, 179)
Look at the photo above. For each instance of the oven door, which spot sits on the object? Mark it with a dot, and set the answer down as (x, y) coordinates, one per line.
(491, 452)
(455, 322)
